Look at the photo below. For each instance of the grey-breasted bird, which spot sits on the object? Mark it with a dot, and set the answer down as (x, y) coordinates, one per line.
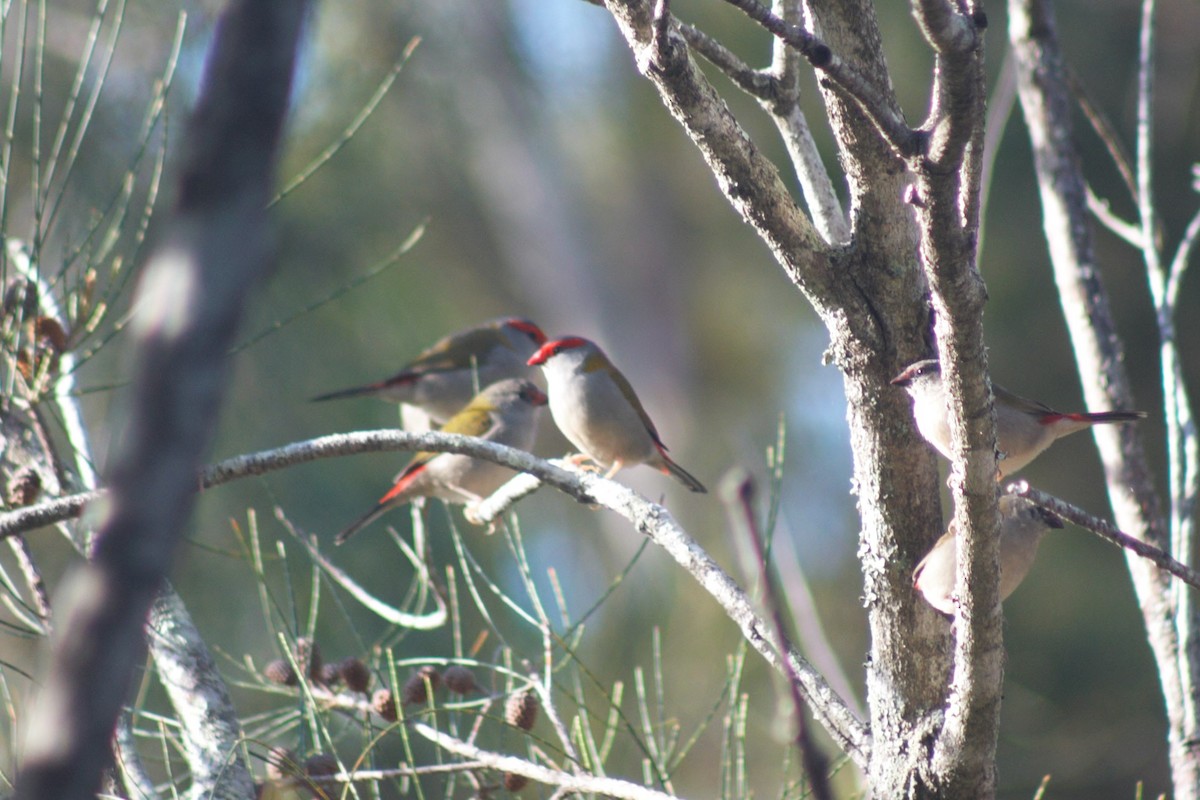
(1022, 526)
(441, 380)
(1024, 428)
(505, 412)
(597, 410)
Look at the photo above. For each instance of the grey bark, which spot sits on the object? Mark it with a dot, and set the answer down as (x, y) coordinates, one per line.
(872, 295)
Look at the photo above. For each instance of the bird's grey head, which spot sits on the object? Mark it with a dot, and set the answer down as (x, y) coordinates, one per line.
(925, 372)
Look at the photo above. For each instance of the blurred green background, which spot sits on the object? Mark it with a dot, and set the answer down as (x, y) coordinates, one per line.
(556, 186)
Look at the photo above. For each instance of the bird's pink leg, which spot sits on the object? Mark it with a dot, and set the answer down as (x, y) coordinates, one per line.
(614, 469)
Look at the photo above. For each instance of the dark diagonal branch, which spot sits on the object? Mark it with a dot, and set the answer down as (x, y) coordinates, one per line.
(739, 498)
(1107, 531)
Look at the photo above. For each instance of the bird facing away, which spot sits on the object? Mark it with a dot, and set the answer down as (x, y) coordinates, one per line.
(504, 413)
(1024, 428)
(442, 379)
(1022, 526)
(597, 410)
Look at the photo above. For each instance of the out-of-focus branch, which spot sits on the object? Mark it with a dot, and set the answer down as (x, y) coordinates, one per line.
(738, 496)
(186, 314)
(999, 110)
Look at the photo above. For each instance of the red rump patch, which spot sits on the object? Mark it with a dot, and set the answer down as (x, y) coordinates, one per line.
(1050, 419)
(405, 480)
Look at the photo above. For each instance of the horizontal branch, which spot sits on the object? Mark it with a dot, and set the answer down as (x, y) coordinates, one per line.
(651, 519)
(1105, 530)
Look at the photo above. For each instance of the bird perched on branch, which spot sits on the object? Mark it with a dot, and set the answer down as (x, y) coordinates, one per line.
(1022, 526)
(504, 413)
(1024, 428)
(443, 378)
(597, 410)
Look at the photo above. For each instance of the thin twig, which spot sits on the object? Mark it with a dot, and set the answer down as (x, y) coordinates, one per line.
(753, 82)
(1106, 530)
(355, 124)
(1182, 260)
(780, 97)
(377, 775)
(870, 100)
(1105, 130)
(610, 787)
(1103, 212)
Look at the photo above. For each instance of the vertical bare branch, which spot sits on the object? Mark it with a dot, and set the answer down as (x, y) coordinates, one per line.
(948, 179)
(1181, 435)
(1045, 101)
(190, 301)
(784, 109)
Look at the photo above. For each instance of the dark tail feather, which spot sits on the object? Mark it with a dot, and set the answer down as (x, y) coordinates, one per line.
(360, 523)
(683, 476)
(355, 392)
(1114, 416)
